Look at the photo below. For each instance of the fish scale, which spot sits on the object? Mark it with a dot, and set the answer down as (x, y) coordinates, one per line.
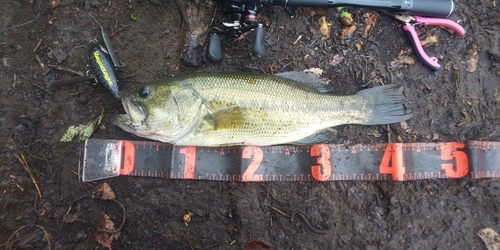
(214, 109)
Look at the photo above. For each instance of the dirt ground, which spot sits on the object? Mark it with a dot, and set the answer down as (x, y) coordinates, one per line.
(460, 102)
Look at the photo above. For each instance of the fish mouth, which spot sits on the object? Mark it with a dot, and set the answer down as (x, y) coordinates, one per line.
(136, 113)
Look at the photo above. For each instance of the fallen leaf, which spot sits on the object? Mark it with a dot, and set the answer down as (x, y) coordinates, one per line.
(324, 27)
(256, 245)
(348, 31)
(71, 217)
(473, 61)
(310, 11)
(371, 19)
(337, 59)
(105, 192)
(490, 238)
(359, 45)
(83, 131)
(186, 218)
(431, 39)
(403, 59)
(55, 3)
(105, 238)
(316, 71)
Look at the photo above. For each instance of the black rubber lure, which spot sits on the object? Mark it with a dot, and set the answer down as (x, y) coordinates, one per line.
(104, 71)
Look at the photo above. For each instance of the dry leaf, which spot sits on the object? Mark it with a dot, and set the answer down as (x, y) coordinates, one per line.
(256, 245)
(430, 40)
(186, 218)
(310, 11)
(316, 71)
(105, 192)
(490, 238)
(70, 218)
(348, 31)
(55, 3)
(105, 238)
(371, 19)
(359, 45)
(324, 27)
(403, 59)
(473, 61)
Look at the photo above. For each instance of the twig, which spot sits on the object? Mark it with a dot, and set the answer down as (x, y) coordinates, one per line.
(38, 45)
(42, 65)
(65, 69)
(296, 41)
(45, 233)
(79, 160)
(121, 226)
(36, 85)
(25, 164)
(22, 24)
(40, 87)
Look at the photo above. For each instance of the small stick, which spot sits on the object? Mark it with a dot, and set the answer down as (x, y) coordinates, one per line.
(79, 160)
(40, 61)
(296, 41)
(67, 70)
(45, 233)
(38, 45)
(122, 224)
(25, 164)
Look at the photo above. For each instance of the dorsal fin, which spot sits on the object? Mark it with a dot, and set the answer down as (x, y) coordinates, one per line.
(308, 80)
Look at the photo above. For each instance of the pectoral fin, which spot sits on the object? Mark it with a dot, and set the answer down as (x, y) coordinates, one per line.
(228, 118)
(308, 80)
(320, 137)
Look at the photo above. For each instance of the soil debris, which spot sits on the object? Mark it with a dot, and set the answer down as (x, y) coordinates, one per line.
(490, 238)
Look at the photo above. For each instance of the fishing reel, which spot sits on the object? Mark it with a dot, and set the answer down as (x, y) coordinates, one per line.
(244, 18)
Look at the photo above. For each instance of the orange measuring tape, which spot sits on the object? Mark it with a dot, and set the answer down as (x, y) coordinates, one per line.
(320, 162)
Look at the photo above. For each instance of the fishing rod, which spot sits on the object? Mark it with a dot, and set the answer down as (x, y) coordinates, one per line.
(429, 8)
(244, 16)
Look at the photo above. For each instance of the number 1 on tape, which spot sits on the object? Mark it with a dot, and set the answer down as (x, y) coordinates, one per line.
(189, 161)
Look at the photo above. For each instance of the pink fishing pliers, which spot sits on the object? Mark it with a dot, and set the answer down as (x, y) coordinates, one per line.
(408, 27)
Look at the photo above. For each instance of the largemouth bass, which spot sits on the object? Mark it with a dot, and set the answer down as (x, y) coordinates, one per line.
(222, 109)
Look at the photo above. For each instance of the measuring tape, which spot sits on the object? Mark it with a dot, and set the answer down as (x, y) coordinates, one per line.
(320, 162)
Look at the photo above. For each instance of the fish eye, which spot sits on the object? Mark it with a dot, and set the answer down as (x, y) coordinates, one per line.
(143, 92)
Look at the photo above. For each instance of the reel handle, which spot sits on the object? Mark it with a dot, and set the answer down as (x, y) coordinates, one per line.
(258, 49)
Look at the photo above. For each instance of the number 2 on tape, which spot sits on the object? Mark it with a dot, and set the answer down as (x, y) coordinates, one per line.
(256, 152)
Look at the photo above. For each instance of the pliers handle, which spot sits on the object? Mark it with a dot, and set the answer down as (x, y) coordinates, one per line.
(408, 27)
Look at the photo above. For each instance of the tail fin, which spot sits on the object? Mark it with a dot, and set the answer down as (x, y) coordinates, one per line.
(387, 102)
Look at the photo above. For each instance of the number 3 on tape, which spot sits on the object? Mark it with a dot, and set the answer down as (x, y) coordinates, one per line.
(323, 171)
